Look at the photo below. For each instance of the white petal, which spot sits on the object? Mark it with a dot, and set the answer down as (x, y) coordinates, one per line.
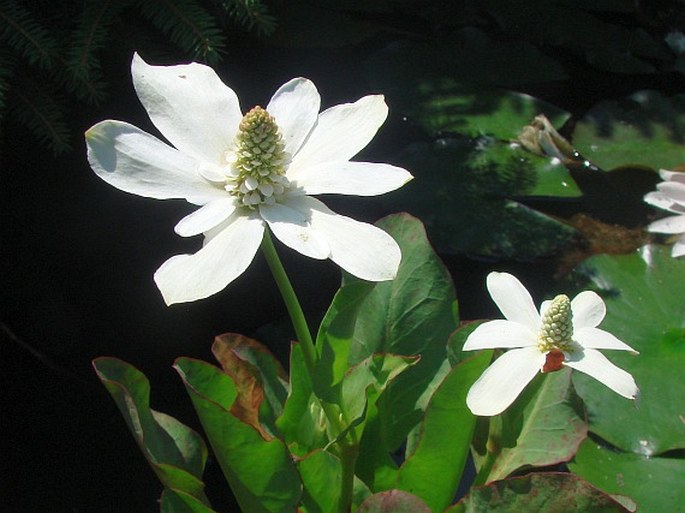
(670, 224)
(595, 364)
(660, 200)
(134, 161)
(594, 338)
(513, 299)
(295, 106)
(588, 310)
(361, 249)
(206, 218)
(190, 105)
(344, 177)
(503, 381)
(342, 131)
(293, 229)
(500, 333)
(185, 278)
(678, 249)
(674, 176)
(674, 190)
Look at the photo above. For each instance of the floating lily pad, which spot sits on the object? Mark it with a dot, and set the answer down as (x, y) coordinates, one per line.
(655, 484)
(462, 190)
(645, 129)
(645, 308)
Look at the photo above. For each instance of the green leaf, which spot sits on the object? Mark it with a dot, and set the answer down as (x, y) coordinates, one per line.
(434, 470)
(645, 129)
(655, 484)
(261, 472)
(175, 452)
(177, 501)
(542, 493)
(548, 427)
(364, 382)
(261, 381)
(411, 315)
(302, 421)
(393, 501)
(645, 308)
(462, 190)
(321, 474)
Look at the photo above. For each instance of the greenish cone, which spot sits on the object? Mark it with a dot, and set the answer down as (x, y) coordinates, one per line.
(260, 160)
(557, 325)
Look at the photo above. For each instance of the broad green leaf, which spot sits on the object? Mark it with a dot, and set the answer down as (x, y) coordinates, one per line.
(365, 381)
(643, 292)
(462, 190)
(413, 315)
(302, 423)
(177, 501)
(393, 501)
(542, 493)
(645, 129)
(654, 483)
(261, 472)
(548, 427)
(434, 470)
(321, 474)
(176, 453)
(261, 381)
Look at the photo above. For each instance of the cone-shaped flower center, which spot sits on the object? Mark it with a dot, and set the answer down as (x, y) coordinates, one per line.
(260, 160)
(557, 326)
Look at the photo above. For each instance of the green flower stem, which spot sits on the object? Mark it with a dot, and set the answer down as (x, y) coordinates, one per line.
(348, 446)
(292, 304)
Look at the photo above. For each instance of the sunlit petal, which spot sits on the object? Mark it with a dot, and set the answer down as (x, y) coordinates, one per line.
(588, 310)
(595, 364)
(500, 333)
(671, 224)
(513, 299)
(206, 218)
(594, 338)
(503, 381)
(361, 249)
(136, 162)
(342, 131)
(185, 278)
(673, 190)
(293, 228)
(295, 106)
(190, 105)
(344, 177)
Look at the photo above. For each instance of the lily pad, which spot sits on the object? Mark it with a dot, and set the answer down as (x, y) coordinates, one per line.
(643, 292)
(645, 129)
(655, 484)
(462, 190)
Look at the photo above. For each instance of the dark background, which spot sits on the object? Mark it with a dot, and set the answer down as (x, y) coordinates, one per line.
(77, 258)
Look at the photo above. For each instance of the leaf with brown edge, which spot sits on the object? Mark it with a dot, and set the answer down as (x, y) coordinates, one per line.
(257, 375)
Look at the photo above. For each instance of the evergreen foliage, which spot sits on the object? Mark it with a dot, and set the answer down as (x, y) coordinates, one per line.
(51, 53)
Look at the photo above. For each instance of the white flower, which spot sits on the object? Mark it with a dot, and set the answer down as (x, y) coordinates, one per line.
(563, 333)
(247, 172)
(670, 195)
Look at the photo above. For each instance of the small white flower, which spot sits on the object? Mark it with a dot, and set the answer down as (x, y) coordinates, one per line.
(248, 172)
(563, 333)
(670, 195)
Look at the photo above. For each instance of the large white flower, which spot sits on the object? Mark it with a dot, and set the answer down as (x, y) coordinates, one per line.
(564, 332)
(249, 171)
(670, 195)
